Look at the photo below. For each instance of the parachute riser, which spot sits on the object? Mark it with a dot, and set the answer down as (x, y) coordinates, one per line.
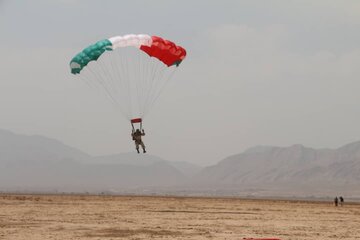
(136, 120)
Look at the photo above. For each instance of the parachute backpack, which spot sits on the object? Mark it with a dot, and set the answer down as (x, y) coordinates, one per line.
(131, 70)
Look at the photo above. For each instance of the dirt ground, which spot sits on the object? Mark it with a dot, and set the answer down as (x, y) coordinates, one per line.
(37, 217)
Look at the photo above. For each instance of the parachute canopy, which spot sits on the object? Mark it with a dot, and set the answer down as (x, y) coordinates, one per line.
(130, 70)
(164, 50)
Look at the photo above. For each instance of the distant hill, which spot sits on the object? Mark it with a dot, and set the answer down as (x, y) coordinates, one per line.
(36, 163)
(16, 148)
(294, 170)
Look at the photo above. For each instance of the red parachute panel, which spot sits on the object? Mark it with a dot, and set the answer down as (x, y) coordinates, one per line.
(165, 50)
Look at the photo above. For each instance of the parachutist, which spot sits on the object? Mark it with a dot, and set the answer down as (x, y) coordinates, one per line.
(136, 136)
(126, 67)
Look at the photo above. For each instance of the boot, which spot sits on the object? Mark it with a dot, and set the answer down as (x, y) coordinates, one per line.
(137, 150)
(144, 150)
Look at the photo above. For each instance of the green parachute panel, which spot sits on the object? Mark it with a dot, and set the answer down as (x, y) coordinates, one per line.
(91, 53)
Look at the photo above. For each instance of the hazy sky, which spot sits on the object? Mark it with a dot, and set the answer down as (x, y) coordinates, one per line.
(257, 72)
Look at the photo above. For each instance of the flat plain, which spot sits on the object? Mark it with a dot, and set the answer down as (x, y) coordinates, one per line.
(37, 217)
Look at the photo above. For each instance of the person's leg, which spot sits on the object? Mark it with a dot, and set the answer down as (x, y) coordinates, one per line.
(143, 147)
(137, 146)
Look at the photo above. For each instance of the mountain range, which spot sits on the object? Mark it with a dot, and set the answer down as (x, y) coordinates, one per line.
(294, 170)
(37, 163)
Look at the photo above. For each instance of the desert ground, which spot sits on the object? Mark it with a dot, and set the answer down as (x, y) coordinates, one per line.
(37, 217)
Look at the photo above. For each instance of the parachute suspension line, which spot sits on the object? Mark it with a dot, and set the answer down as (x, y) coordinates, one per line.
(158, 78)
(115, 77)
(107, 82)
(145, 69)
(87, 74)
(105, 73)
(107, 78)
(163, 81)
(90, 83)
(143, 82)
(118, 59)
(104, 87)
(150, 73)
(151, 85)
(87, 82)
(96, 87)
(138, 81)
(118, 84)
(128, 80)
(98, 78)
(162, 87)
(115, 83)
(107, 66)
(154, 86)
(124, 82)
(91, 79)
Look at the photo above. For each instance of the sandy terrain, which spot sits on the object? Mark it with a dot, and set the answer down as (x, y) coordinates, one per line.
(34, 217)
